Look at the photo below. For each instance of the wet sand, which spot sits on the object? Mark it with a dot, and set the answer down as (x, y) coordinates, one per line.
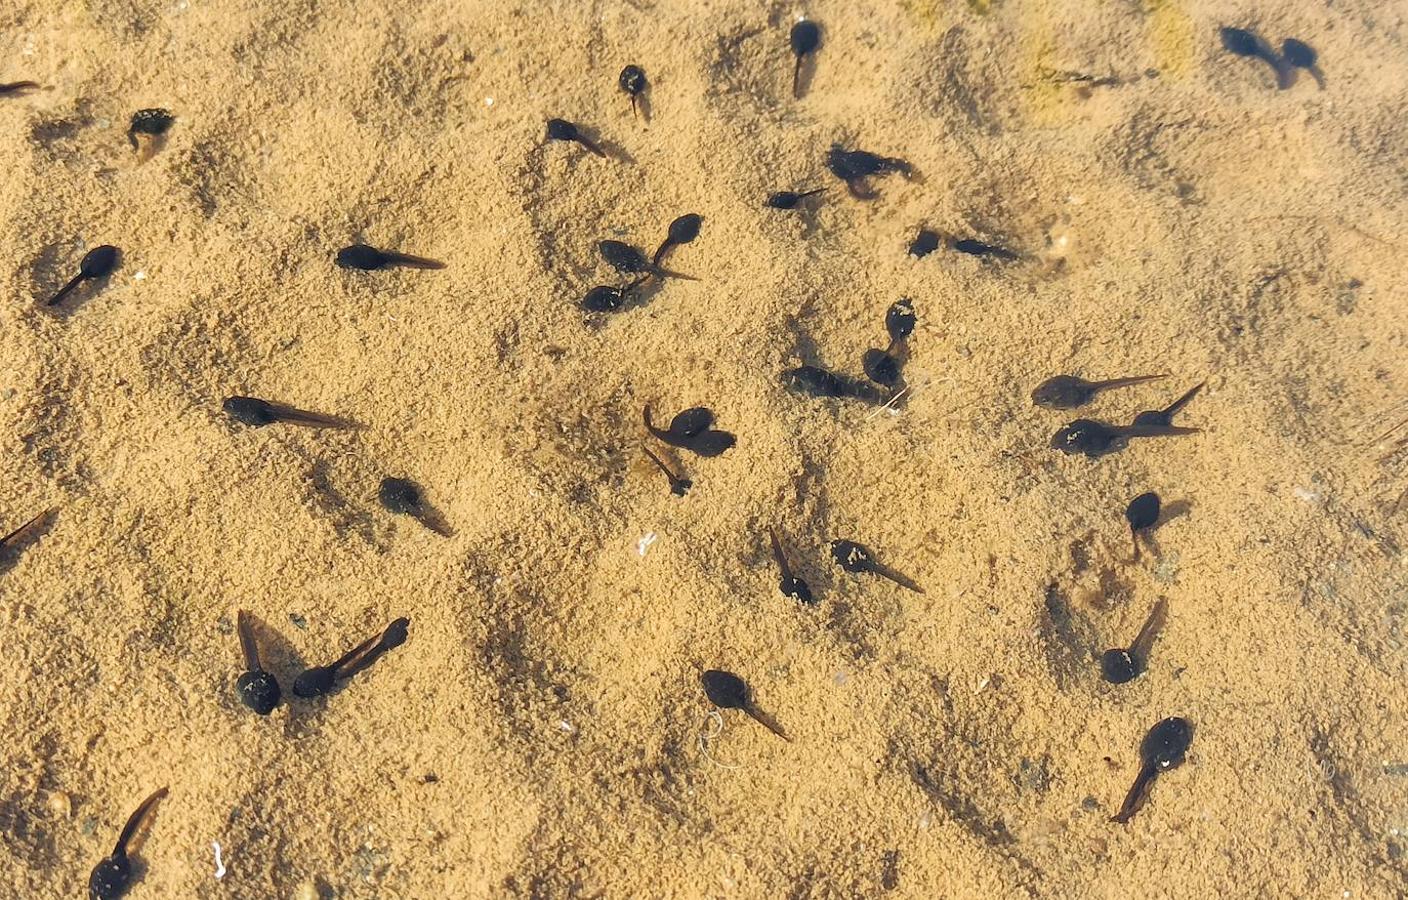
(542, 732)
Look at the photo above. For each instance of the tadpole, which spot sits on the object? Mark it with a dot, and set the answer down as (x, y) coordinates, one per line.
(900, 320)
(97, 263)
(319, 680)
(1122, 664)
(609, 297)
(402, 496)
(924, 243)
(1096, 439)
(257, 689)
(854, 166)
(805, 38)
(789, 199)
(683, 230)
(1069, 392)
(974, 247)
(152, 123)
(257, 413)
(1141, 514)
(1164, 747)
(692, 430)
(632, 81)
(679, 485)
(857, 559)
(563, 130)
(790, 584)
(727, 691)
(1165, 416)
(112, 877)
(370, 259)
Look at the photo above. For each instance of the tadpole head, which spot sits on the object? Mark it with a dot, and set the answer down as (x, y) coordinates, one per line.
(852, 557)
(685, 228)
(797, 589)
(623, 257)
(900, 319)
(259, 691)
(604, 298)
(250, 411)
(880, 367)
(632, 80)
(1087, 436)
(562, 130)
(395, 634)
(1117, 666)
(1166, 745)
(314, 682)
(924, 243)
(1063, 392)
(783, 200)
(400, 495)
(805, 37)
(151, 121)
(725, 689)
(692, 422)
(680, 486)
(99, 262)
(110, 878)
(361, 256)
(1143, 511)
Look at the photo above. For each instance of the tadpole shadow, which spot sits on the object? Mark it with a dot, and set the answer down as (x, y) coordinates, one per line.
(611, 148)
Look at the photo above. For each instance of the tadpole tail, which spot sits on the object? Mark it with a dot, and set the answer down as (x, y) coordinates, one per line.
(25, 530)
(1136, 796)
(661, 435)
(312, 419)
(356, 659)
(65, 290)
(411, 262)
(766, 721)
(135, 822)
(778, 555)
(1125, 382)
(1155, 430)
(1139, 650)
(668, 273)
(796, 80)
(245, 625)
(665, 247)
(432, 520)
(902, 580)
(16, 87)
(1183, 401)
(660, 463)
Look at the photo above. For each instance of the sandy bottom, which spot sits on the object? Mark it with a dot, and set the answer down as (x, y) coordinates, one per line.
(543, 732)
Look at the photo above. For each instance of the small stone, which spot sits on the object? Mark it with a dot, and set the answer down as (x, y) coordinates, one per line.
(59, 804)
(306, 890)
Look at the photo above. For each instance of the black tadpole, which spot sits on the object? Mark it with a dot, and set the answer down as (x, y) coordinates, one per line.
(112, 877)
(924, 243)
(1096, 439)
(609, 297)
(789, 584)
(881, 367)
(258, 689)
(97, 263)
(632, 81)
(17, 87)
(1121, 664)
(563, 130)
(814, 381)
(1163, 748)
(857, 559)
(149, 122)
(630, 260)
(369, 259)
(679, 485)
(402, 496)
(319, 680)
(1141, 514)
(854, 166)
(1165, 416)
(257, 413)
(1069, 392)
(805, 38)
(727, 691)
(900, 320)
(789, 199)
(683, 230)
(693, 430)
